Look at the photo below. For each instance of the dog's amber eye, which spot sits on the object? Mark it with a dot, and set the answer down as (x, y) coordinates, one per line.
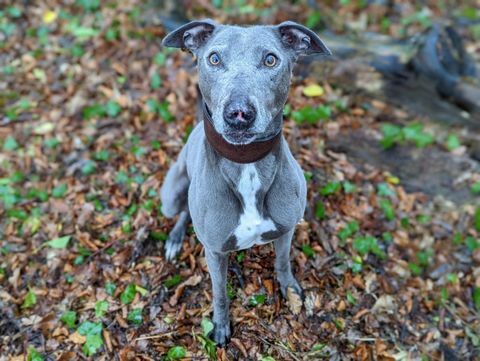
(214, 59)
(270, 60)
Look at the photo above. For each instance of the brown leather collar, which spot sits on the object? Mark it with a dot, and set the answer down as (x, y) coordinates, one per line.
(238, 153)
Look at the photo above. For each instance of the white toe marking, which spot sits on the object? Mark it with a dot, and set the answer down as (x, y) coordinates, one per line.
(251, 224)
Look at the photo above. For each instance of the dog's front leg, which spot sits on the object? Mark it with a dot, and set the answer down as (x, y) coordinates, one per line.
(282, 264)
(217, 267)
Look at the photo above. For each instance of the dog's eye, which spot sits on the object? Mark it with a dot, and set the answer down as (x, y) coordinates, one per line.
(214, 59)
(270, 60)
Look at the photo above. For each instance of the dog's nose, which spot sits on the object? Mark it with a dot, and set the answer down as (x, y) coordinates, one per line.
(239, 114)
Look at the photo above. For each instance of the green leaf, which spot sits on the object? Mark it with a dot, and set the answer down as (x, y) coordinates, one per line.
(453, 142)
(267, 358)
(349, 187)
(34, 355)
(128, 294)
(92, 344)
(59, 243)
(349, 230)
(100, 308)
(475, 188)
(60, 190)
(476, 221)
(476, 298)
(415, 269)
(384, 190)
(10, 144)
(207, 326)
(94, 111)
(135, 316)
(414, 132)
(391, 134)
(160, 59)
(155, 81)
(257, 300)
(331, 188)
(14, 12)
(320, 210)
(89, 5)
(176, 353)
(350, 298)
(308, 250)
(387, 209)
(366, 244)
(30, 299)
(113, 108)
(164, 112)
(101, 155)
(172, 281)
(69, 318)
(90, 328)
(241, 256)
(471, 243)
(89, 167)
(110, 288)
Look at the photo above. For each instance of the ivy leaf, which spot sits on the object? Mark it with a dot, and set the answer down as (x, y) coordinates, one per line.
(308, 250)
(257, 300)
(92, 344)
(207, 327)
(320, 210)
(59, 191)
(476, 297)
(69, 318)
(100, 308)
(477, 219)
(90, 328)
(155, 81)
(58, 243)
(34, 355)
(10, 144)
(176, 353)
(110, 288)
(135, 316)
(453, 142)
(128, 294)
(113, 108)
(331, 188)
(172, 281)
(476, 188)
(30, 299)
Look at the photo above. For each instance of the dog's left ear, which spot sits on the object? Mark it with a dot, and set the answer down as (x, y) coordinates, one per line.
(301, 39)
(190, 36)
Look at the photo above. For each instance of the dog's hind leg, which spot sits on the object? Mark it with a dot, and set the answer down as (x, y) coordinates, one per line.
(174, 194)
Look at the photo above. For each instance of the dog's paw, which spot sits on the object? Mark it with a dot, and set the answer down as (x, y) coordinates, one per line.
(293, 285)
(173, 246)
(221, 334)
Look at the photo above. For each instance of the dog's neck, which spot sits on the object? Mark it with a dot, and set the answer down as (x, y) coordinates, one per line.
(238, 153)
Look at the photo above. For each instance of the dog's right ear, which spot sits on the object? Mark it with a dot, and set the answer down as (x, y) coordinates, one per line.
(190, 36)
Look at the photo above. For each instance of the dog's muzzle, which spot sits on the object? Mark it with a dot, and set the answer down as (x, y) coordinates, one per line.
(238, 153)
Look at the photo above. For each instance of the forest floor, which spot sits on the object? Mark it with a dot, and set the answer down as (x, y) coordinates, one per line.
(92, 114)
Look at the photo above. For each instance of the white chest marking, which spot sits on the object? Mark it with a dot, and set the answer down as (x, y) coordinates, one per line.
(251, 224)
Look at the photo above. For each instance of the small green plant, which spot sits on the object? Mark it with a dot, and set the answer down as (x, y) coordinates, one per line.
(93, 333)
(69, 318)
(256, 300)
(366, 244)
(311, 115)
(394, 134)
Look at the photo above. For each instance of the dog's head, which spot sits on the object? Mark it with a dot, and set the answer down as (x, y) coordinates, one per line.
(244, 72)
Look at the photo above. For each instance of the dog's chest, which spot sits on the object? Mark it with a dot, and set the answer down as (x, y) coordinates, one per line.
(251, 224)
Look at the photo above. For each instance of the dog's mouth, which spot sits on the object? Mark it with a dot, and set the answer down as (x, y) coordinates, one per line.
(239, 137)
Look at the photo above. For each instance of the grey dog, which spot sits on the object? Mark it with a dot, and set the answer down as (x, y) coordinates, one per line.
(236, 178)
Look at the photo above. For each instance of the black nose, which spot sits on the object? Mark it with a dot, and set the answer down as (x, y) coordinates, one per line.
(239, 114)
